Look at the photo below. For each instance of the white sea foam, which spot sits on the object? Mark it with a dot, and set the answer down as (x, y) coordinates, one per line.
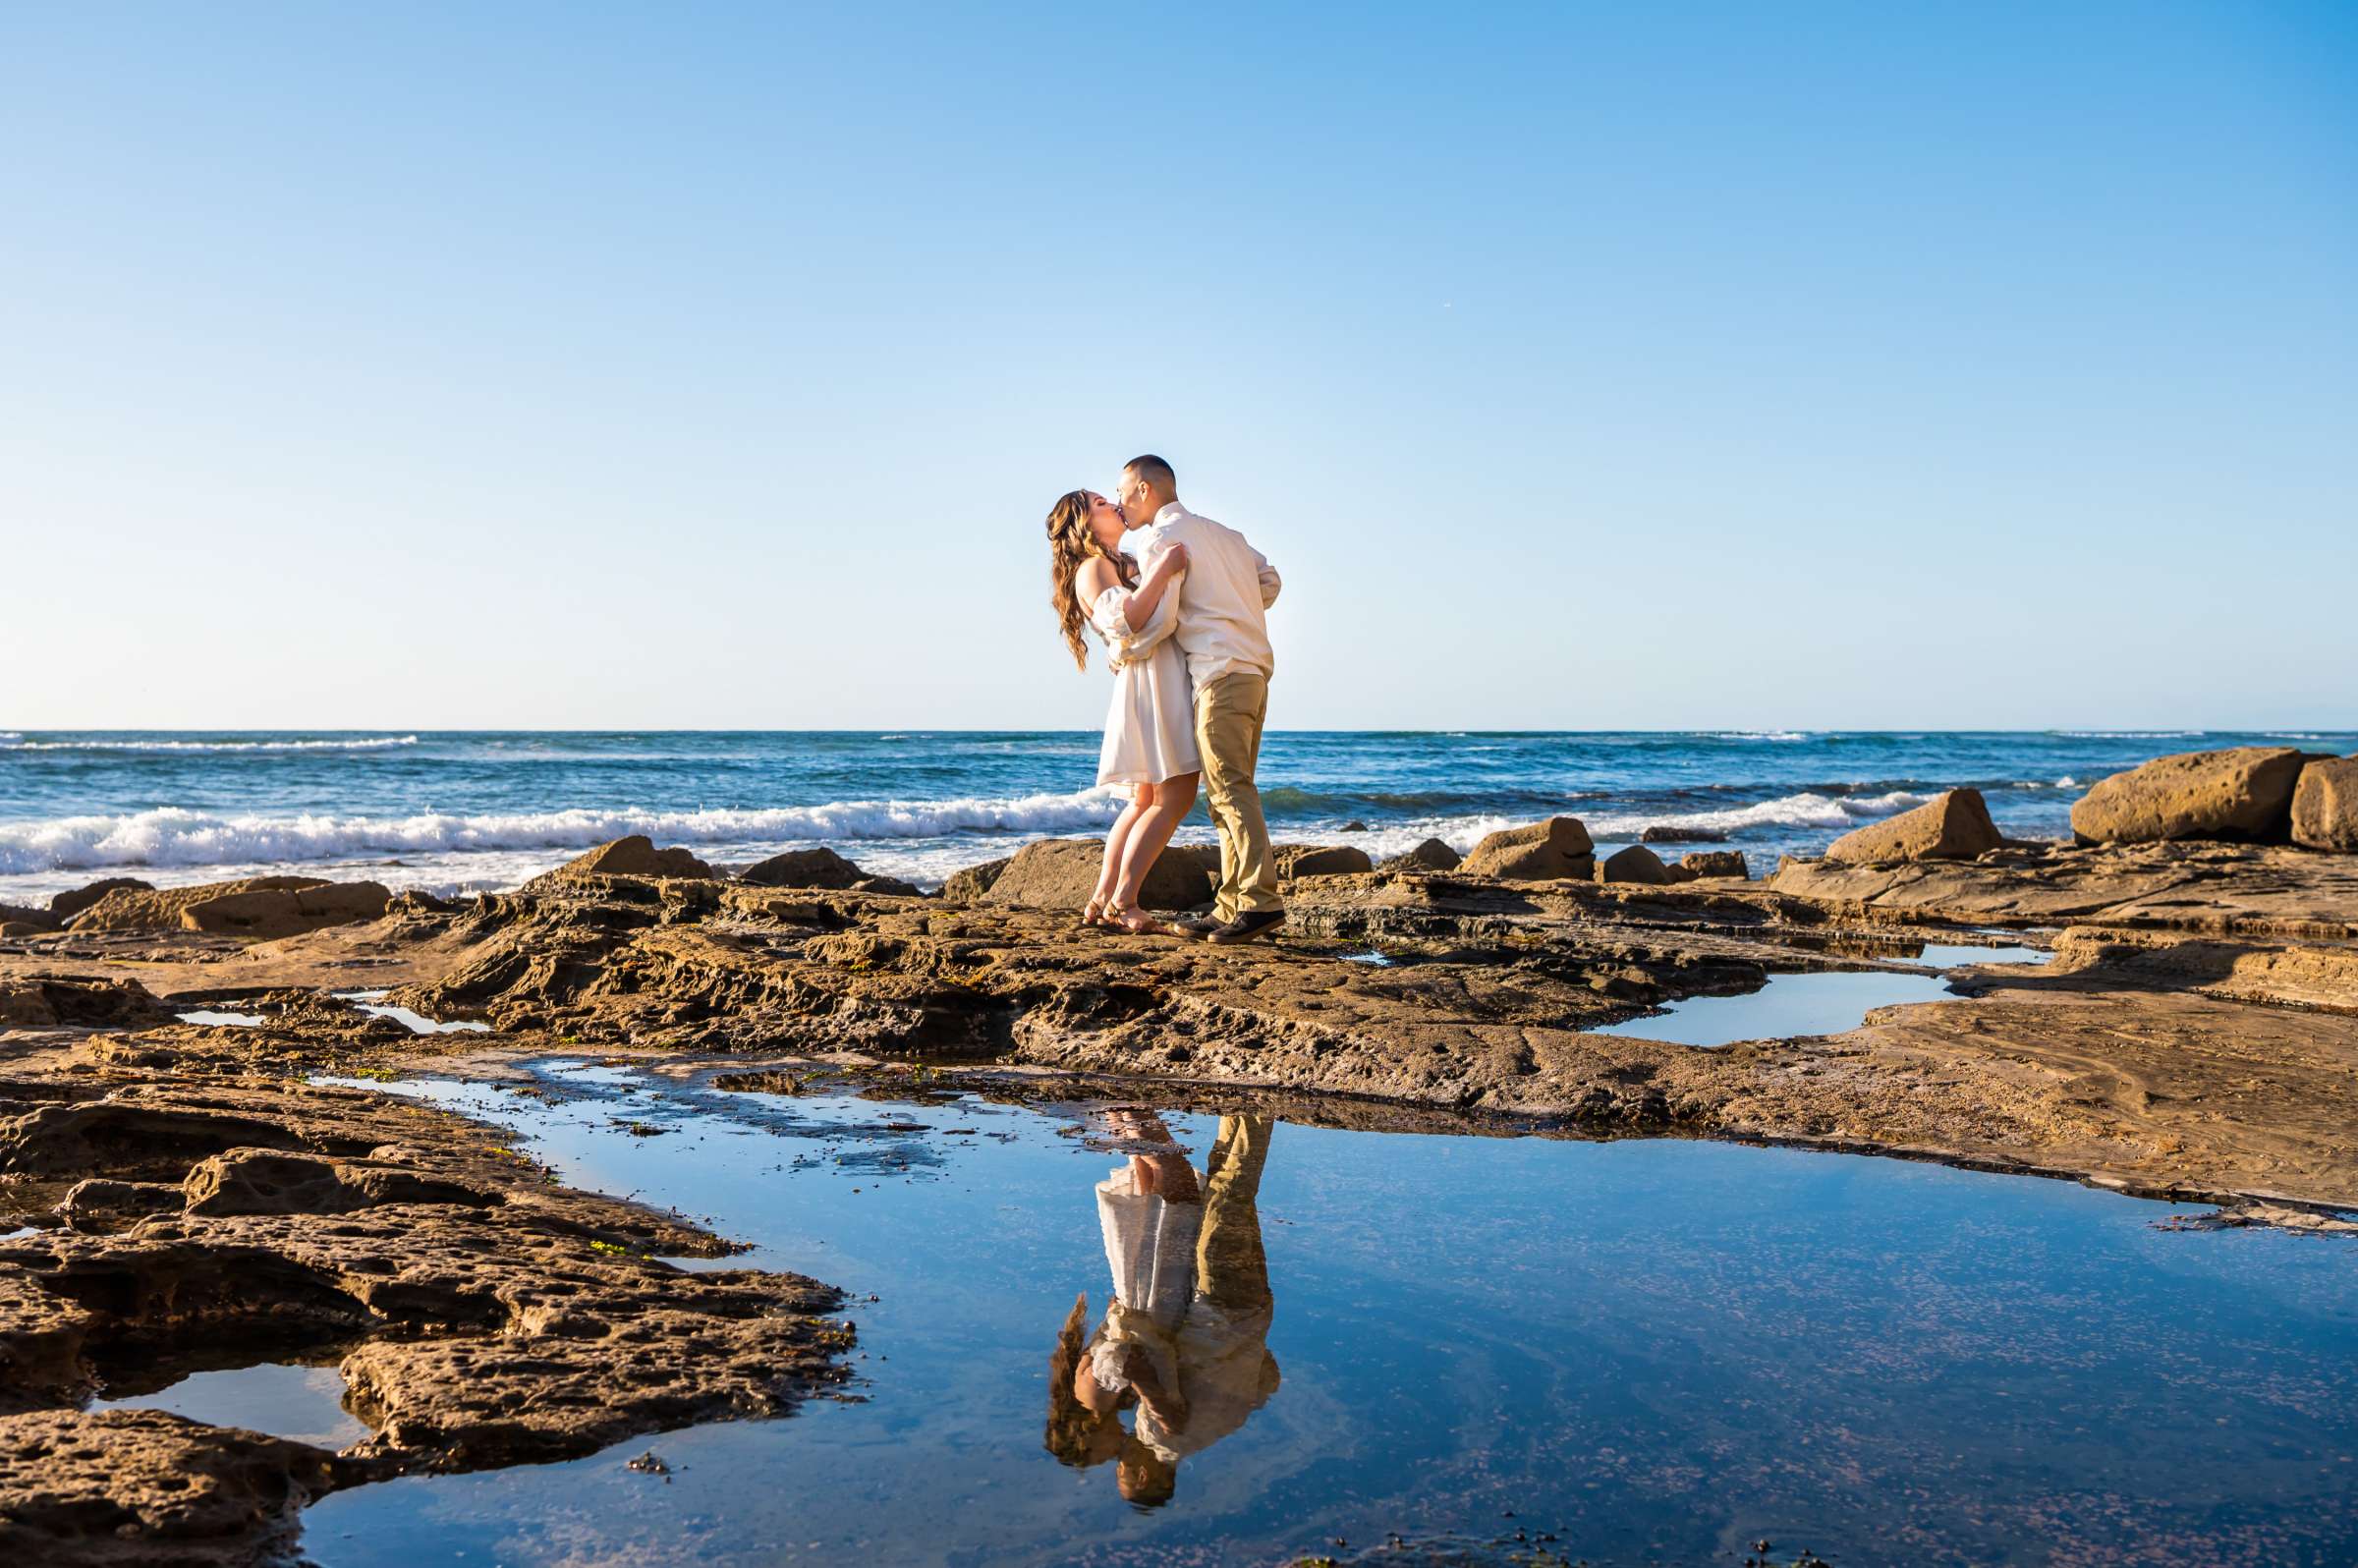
(1808, 809)
(1780, 735)
(12, 741)
(170, 836)
(1805, 811)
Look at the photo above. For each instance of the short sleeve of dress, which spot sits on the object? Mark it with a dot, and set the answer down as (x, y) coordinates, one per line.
(1124, 640)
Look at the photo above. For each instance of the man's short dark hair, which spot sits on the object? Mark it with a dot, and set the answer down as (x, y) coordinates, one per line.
(1155, 471)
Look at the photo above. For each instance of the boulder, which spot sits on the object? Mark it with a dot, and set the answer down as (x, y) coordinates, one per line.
(1682, 835)
(266, 1181)
(1062, 872)
(160, 909)
(1557, 848)
(968, 885)
(1951, 826)
(64, 906)
(1431, 856)
(99, 1203)
(1677, 872)
(269, 913)
(35, 919)
(2325, 806)
(1355, 826)
(45, 1001)
(812, 867)
(1636, 864)
(1716, 862)
(634, 856)
(2242, 793)
(1320, 860)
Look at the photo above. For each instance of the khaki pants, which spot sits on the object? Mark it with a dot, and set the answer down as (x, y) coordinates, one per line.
(1230, 1267)
(1229, 711)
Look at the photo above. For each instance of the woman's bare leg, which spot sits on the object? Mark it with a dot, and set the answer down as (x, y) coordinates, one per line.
(1147, 839)
(1117, 840)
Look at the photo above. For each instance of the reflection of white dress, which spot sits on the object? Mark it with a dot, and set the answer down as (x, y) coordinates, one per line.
(1151, 728)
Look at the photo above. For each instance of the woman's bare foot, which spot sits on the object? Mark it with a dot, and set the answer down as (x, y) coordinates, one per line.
(1093, 913)
(1137, 922)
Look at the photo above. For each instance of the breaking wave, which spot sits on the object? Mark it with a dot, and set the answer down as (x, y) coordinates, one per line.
(170, 836)
(1806, 810)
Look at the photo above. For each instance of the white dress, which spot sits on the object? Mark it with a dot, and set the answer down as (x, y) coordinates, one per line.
(1151, 728)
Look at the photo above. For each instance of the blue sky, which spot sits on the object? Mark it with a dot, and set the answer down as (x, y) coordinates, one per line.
(1580, 366)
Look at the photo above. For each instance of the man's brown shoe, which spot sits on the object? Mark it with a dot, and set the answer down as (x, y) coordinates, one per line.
(1196, 924)
(1248, 927)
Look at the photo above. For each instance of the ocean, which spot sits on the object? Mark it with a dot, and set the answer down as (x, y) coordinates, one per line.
(471, 811)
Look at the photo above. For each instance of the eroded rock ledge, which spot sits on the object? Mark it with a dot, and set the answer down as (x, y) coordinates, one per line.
(205, 1217)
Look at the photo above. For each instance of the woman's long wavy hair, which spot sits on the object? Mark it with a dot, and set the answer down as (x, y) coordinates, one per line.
(1070, 542)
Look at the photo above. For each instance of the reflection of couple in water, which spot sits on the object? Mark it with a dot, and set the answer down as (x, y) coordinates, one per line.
(1186, 1339)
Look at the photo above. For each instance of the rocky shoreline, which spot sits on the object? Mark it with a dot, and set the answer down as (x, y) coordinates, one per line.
(186, 1185)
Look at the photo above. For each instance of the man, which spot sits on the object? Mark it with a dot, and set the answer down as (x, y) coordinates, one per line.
(1223, 630)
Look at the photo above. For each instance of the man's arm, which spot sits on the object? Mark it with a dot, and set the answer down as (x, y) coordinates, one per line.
(1270, 581)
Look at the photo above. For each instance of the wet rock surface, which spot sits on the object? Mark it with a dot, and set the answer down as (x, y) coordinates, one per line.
(144, 1486)
(210, 1215)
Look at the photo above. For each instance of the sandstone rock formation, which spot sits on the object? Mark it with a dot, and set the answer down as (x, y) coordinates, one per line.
(1953, 827)
(268, 913)
(968, 886)
(2325, 806)
(1062, 872)
(126, 909)
(819, 866)
(1636, 864)
(1431, 856)
(485, 1316)
(131, 1487)
(1556, 848)
(2242, 793)
(64, 906)
(634, 856)
(1320, 860)
(1716, 862)
(49, 1001)
(1682, 835)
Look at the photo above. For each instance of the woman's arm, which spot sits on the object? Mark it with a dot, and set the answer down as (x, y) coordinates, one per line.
(1159, 577)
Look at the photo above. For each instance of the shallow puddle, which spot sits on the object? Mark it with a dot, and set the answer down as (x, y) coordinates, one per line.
(1822, 1003)
(1956, 955)
(224, 1020)
(303, 1403)
(415, 1022)
(1651, 1351)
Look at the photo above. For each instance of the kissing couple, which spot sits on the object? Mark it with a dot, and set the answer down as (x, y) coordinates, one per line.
(1187, 633)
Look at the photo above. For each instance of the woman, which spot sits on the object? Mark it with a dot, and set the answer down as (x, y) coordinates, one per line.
(1149, 730)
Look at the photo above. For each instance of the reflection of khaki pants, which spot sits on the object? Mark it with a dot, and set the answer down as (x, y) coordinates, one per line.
(1231, 1268)
(1229, 711)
